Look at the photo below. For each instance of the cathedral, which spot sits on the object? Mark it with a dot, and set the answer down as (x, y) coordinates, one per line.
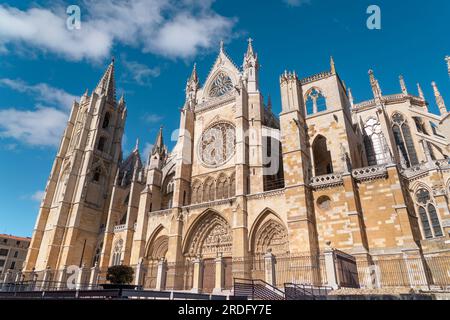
(243, 185)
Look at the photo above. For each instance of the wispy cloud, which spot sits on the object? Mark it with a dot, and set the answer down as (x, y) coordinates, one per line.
(42, 125)
(296, 3)
(140, 73)
(147, 149)
(41, 92)
(175, 29)
(152, 118)
(38, 195)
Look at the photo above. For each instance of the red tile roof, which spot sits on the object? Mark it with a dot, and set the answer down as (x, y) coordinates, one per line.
(14, 237)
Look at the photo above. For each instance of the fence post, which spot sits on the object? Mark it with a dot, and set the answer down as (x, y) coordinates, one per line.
(18, 276)
(7, 276)
(269, 266)
(62, 279)
(198, 276)
(161, 275)
(81, 277)
(139, 272)
(330, 267)
(46, 279)
(220, 276)
(93, 278)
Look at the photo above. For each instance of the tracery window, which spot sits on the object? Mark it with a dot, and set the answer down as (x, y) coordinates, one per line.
(117, 254)
(97, 174)
(106, 120)
(101, 144)
(221, 85)
(403, 139)
(374, 143)
(428, 216)
(315, 102)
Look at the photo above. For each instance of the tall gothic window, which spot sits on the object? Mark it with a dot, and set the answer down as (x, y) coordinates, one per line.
(374, 143)
(315, 102)
(322, 157)
(106, 120)
(101, 144)
(403, 139)
(117, 254)
(429, 219)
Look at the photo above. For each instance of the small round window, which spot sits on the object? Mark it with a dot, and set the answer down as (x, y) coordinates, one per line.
(324, 202)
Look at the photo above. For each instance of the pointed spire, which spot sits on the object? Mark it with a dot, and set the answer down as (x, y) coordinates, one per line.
(194, 75)
(403, 85)
(350, 97)
(158, 147)
(439, 99)
(222, 46)
(136, 147)
(419, 89)
(375, 86)
(250, 51)
(84, 97)
(332, 65)
(107, 83)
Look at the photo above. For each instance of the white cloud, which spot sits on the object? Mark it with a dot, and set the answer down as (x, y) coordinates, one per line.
(140, 73)
(41, 92)
(296, 3)
(167, 27)
(38, 195)
(40, 127)
(153, 118)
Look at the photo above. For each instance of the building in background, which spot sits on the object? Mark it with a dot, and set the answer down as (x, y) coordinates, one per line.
(13, 251)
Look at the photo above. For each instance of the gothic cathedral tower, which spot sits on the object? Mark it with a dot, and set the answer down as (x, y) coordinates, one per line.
(75, 205)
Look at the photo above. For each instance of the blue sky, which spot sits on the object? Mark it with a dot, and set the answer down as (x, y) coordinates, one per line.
(44, 66)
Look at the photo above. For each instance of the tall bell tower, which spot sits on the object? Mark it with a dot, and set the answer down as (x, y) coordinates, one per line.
(75, 204)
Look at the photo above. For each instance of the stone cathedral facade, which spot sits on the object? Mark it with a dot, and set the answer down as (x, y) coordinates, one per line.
(371, 179)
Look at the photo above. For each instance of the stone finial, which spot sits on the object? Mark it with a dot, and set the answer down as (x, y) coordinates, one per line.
(222, 46)
(420, 91)
(332, 65)
(136, 146)
(376, 90)
(403, 85)
(439, 99)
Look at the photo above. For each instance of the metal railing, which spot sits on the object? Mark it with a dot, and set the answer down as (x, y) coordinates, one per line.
(295, 291)
(256, 290)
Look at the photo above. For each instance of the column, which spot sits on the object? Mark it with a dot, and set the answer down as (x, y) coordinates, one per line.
(18, 276)
(80, 277)
(198, 276)
(93, 279)
(138, 279)
(220, 275)
(46, 279)
(269, 266)
(161, 275)
(330, 267)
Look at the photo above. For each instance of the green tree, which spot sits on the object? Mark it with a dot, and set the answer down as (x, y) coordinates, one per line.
(120, 274)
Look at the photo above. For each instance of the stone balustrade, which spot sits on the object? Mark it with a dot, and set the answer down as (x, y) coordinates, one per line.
(326, 181)
(370, 173)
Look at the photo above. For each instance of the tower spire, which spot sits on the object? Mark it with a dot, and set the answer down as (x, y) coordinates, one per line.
(439, 99)
(107, 83)
(377, 94)
(419, 89)
(158, 147)
(332, 65)
(136, 147)
(222, 46)
(403, 85)
(250, 51)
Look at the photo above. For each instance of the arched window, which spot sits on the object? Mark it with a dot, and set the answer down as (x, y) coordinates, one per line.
(222, 188)
(168, 187)
(123, 220)
(196, 196)
(374, 143)
(322, 157)
(233, 185)
(429, 219)
(117, 253)
(315, 102)
(106, 120)
(97, 174)
(403, 139)
(101, 144)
